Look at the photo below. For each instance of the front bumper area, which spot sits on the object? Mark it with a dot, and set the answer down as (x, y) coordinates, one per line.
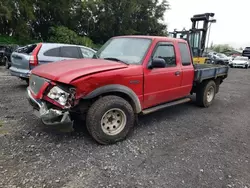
(50, 117)
(239, 65)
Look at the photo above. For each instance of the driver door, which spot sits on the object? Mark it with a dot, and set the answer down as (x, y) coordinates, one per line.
(162, 85)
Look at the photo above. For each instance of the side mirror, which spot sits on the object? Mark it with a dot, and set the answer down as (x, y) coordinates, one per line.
(158, 63)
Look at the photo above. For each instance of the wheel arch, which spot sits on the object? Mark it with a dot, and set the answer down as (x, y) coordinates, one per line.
(118, 90)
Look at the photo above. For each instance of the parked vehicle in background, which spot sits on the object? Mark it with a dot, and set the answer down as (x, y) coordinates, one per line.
(128, 76)
(33, 55)
(220, 59)
(5, 55)
(246, 52)
(240, 61)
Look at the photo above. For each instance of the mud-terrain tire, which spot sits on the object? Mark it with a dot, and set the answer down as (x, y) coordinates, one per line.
(206, 94)
(109, 119)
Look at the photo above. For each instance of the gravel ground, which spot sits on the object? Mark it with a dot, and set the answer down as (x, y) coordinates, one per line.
(182, 146)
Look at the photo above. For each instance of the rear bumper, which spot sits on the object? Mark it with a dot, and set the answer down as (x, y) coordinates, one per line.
(242, 66)
(21, 73)
(50, 117)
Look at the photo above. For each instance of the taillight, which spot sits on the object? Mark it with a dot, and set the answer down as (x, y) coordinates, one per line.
(33, 57)
(33, 60)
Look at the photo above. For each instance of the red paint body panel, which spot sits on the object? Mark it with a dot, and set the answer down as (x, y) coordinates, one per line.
(162, 85)
(123, 77)
(152, 86)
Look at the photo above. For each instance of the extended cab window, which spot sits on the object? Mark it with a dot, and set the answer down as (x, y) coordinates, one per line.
(185, 53)
(70, 52)
(54, 52)
(166, 52)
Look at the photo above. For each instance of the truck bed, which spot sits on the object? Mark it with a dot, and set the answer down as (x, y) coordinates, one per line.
(207, 71)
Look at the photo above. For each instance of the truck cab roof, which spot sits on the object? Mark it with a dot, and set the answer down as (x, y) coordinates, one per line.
(158, 38)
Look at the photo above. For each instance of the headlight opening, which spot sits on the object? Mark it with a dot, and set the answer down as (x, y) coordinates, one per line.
(58, 95)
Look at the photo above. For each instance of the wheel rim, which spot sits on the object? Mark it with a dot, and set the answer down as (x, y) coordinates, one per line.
(210, 94)
(113, 121)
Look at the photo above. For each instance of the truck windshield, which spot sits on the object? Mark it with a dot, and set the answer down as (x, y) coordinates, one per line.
(128, 50)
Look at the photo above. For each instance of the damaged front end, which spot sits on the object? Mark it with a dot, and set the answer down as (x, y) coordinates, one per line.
(51, 102)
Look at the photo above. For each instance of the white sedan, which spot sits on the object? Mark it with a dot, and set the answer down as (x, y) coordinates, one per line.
(240, 61)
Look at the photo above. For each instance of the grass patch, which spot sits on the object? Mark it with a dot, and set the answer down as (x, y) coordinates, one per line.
(3, 132)
(1, 124)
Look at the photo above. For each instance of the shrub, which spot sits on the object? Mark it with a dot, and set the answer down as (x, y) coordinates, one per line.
(63, 34)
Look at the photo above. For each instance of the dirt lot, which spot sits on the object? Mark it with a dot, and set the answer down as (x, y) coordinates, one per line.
(182, 146)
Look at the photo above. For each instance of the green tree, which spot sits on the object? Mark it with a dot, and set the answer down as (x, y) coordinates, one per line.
(96, 19)
(220, 48)
(62, 34)
(124, 17)
(16, 17)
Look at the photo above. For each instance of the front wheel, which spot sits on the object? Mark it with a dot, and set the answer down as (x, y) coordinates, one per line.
(206, 94)
(110, 119)
(246, 66)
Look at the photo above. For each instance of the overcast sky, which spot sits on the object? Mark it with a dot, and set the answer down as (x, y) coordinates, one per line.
(232, 27)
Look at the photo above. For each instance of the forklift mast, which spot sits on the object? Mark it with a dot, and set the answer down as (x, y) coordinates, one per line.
(197, 35)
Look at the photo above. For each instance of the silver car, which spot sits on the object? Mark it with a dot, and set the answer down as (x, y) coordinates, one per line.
(28, 57)
(240, 61)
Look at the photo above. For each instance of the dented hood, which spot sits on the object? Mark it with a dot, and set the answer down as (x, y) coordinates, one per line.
(66, 71)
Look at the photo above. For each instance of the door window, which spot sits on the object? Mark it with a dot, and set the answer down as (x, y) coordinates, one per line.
(167, 53)
(54, 52)
(87, 53)
(70, 52)
(185, 53)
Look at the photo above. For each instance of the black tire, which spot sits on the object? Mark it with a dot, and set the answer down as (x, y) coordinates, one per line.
(27, 81)
(95, 117)
(246, 67)
(6, 63)
(202, 94)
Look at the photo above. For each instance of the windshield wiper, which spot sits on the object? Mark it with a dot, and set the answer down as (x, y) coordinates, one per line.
(115, 59)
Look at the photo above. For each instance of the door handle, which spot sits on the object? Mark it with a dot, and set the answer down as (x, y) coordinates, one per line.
(177, 73)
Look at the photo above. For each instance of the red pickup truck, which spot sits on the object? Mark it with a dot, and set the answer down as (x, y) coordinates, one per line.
(128, 76)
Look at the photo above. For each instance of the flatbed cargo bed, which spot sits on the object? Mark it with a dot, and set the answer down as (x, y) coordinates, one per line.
(208, 71)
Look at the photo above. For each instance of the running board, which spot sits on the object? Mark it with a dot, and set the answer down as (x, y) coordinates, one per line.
(162, 106)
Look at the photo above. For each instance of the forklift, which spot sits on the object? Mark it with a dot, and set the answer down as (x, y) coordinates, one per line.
(197, 36)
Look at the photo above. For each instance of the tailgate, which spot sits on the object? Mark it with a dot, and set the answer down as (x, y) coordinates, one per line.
(20, 60)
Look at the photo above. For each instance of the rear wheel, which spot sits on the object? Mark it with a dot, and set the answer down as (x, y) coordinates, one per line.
(110, 119)
(206, 94)
(6, 63)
